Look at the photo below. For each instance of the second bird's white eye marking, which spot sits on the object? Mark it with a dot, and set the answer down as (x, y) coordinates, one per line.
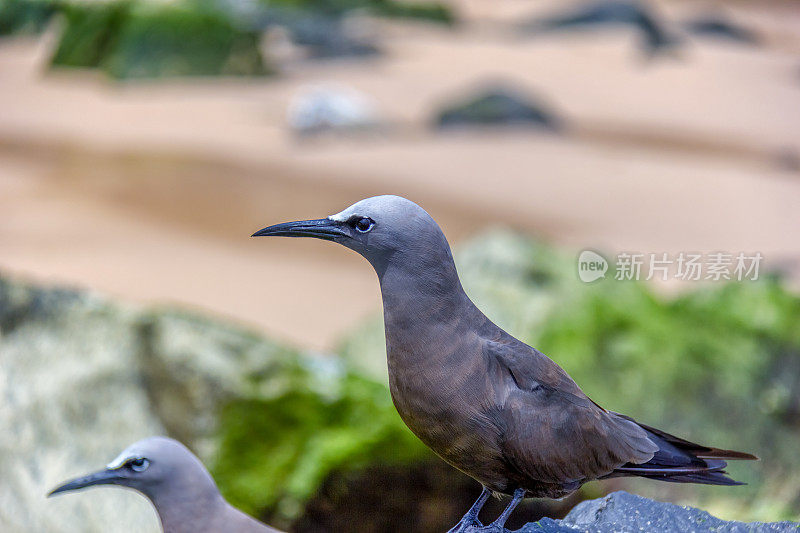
(119, 461)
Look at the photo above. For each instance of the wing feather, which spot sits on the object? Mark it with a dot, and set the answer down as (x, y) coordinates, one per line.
(554, 432)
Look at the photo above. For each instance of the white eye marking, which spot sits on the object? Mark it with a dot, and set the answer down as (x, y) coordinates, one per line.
(339, 217)
(120, 460)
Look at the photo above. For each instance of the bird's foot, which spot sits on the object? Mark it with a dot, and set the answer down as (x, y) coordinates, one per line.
(491, 528)
(469, 522)
(477, 527)
(498, 526)
(467, 525)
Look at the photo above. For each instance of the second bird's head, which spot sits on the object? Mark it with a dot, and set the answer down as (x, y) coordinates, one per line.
(382, 229)
(148, 466)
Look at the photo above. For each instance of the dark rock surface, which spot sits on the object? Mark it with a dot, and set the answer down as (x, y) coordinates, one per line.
(498, 106)
(621, 512)
(638, 16)
(718, 27)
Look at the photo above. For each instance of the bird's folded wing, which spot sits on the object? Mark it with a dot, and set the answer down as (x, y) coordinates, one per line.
(553, 432)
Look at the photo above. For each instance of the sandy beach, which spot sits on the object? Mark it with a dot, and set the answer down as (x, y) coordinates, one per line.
(149, 191)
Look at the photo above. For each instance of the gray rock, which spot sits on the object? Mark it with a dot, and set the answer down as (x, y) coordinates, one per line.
(545, 525)
(622, 512)
(331, 108)
(328, 38)
(67, 403)
(634, 14)
(717, 26)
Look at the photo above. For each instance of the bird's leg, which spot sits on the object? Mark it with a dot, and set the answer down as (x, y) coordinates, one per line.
(499, 524)
(471, 518)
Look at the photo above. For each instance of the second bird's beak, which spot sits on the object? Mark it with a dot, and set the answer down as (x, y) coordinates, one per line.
(323, 228)
(103, 477)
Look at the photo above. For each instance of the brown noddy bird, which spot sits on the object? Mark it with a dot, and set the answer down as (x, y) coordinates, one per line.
(490, 405)
(178, 485)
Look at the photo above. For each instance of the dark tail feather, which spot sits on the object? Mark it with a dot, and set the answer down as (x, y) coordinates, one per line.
(707, 478)
(701, 452)
(680, 461)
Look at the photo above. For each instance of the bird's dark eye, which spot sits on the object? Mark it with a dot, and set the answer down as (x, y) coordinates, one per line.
(138, 465)
(364, 224)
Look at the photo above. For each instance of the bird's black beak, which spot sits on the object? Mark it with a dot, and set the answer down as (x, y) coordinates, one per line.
(103, 477)
(323, 228)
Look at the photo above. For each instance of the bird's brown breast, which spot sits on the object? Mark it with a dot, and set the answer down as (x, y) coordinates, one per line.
(447, 408)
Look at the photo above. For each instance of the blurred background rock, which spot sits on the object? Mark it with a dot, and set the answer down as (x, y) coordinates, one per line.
(141, 143)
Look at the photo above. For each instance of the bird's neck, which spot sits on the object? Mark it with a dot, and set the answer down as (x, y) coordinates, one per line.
(188, 511)
(419, 303)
